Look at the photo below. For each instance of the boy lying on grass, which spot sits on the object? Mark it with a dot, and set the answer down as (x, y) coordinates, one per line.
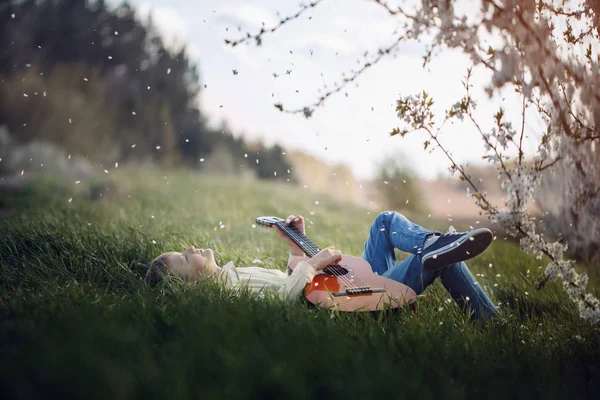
(433, 255)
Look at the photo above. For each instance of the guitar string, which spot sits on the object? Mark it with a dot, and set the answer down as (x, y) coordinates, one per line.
(343, 276)
(310, 245)
(290, 231)
(346, 280)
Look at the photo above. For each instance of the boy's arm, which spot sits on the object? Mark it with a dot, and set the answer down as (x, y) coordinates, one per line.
(294, 257)
(294, 284)
(305, 271)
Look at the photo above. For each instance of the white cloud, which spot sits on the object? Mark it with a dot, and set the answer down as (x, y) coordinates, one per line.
(329, 42)
(250, 14)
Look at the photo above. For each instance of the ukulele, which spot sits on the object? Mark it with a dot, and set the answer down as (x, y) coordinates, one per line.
(350, 285)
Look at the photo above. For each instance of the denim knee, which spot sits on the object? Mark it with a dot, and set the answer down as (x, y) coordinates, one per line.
(384, 216)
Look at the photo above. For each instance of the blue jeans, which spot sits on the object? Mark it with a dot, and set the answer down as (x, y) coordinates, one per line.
(393, 230)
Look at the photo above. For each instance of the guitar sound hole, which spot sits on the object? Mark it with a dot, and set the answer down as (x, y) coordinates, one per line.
(336, 270)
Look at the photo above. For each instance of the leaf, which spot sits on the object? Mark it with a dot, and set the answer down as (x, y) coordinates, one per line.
(588, 52)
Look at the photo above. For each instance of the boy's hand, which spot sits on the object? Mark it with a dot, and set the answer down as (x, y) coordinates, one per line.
(298, 222)
(326, 257)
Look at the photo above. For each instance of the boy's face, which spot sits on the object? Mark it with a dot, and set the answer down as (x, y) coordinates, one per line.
(191, 264)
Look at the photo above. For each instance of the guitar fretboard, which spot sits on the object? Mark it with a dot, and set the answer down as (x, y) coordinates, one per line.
(308, 246)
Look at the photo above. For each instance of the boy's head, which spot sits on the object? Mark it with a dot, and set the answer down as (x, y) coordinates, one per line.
(189, 265)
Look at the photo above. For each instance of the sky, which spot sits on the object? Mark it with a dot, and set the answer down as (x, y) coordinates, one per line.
(353, 126)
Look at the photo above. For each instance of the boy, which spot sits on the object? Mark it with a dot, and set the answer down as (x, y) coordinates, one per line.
(433, 255)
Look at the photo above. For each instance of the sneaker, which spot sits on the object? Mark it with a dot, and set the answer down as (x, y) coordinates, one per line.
(450, 248)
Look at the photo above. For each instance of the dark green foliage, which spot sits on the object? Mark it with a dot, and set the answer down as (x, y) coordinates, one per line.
(96, 80)
(76, 319)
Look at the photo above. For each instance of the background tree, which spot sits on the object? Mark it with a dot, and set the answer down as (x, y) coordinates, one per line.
(100, 82)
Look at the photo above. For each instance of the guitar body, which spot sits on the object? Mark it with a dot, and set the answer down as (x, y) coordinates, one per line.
(350, 285)
(353, 286)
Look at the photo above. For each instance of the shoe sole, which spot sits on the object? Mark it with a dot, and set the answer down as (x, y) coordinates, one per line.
(460, 250)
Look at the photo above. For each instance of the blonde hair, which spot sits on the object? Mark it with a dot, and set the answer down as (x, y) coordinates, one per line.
(158, 270)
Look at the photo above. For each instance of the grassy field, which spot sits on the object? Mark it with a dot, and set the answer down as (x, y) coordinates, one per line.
(76, 319)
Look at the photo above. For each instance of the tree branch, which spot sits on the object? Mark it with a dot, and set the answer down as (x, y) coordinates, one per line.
(307, 110)
(263, 30)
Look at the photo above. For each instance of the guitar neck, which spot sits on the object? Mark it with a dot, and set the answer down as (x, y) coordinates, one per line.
(308, 246)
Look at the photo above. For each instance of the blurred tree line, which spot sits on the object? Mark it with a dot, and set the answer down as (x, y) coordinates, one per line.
(100, 82)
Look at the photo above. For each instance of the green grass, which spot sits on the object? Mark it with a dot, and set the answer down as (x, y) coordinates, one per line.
(76, 319)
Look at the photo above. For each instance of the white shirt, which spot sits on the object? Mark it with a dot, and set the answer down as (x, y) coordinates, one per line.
(261, 280)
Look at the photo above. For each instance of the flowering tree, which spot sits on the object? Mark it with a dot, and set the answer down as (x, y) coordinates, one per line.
(547, 52)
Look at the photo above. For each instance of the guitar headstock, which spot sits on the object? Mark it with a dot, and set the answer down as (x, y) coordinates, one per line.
(268, 221)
